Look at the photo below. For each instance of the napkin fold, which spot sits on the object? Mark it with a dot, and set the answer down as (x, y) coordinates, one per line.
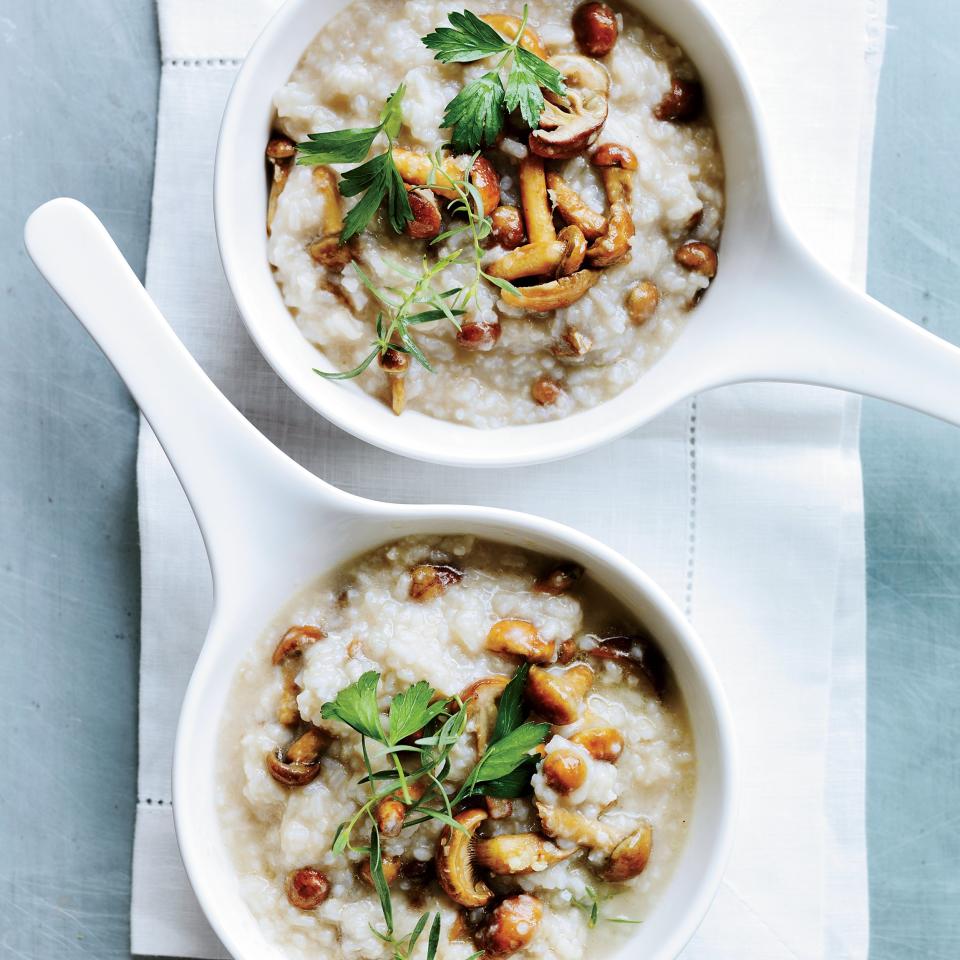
(744, 503)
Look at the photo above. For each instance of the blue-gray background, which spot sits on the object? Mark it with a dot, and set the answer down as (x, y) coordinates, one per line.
(78, 93)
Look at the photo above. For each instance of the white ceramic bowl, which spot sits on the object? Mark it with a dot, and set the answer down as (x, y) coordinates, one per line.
(772, 313)
(270, 527)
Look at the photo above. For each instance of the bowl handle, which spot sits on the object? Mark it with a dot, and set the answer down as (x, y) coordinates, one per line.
(805, 325)
(228, 469)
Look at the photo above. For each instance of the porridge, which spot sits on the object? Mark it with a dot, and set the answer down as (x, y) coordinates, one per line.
(492, 218)
(451, 746)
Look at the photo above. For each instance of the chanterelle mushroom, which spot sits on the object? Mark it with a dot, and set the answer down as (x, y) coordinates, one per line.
(287, 655)
(306, 888)
(512, 854)
(564, 771)
(616, 164)
(574, 250)
(562, 823)
(553, 295)
(506, 227)
(558, 695)
(481, 699)
(559, 579)
(602, 743)
(520, 638)
(280, 153)
(455, 861)
(642, 301)
(638, 653)
(431, 580)
(391, 811)
(300, 762)
(629, 857)
(572, 344)
(295, 641)
(327, 250)
(568, 125)
(534, 200)
(530, 260)
(391, 870)
(572, 207)
(544, 253)
(508, 25)
(417, 169)
(426, 222)
(395, 364)
(511, 926)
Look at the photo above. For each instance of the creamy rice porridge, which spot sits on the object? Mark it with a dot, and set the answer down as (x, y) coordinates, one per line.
(521, 680)
(601, 220)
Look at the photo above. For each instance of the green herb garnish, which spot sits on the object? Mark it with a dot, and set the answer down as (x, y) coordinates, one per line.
(357, 707)
(412, 710)
(591, 906)
(467, 203)
(507, 760)
(404, 310)
(378, 179)
(422, 302)
(477, 113)
(379, 880)
(506, 768)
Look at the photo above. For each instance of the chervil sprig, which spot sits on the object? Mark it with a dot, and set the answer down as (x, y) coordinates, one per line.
(377, 179)
(477, 113)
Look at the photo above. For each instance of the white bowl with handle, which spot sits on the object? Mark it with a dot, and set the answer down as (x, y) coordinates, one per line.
(270, 528)
(773, 313)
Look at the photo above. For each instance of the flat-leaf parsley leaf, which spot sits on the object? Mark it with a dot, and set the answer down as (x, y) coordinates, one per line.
(378, 179)
(357, 707)
(476, 114)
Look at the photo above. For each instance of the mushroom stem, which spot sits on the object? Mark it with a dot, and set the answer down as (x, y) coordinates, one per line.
(395, 364)
(572, 207)
(530, 260)
(617, 164)
(281, 170)
(554, 294)
(287, 655)
(327, 249)
(534, 200)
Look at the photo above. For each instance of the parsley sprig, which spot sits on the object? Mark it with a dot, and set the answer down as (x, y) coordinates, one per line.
(503, 770)
(476, 114)
(377, 179)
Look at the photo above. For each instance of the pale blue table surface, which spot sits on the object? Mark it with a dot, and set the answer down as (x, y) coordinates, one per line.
(78, 90)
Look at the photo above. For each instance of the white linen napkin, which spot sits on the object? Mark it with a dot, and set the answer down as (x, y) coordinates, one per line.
(745, 503)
